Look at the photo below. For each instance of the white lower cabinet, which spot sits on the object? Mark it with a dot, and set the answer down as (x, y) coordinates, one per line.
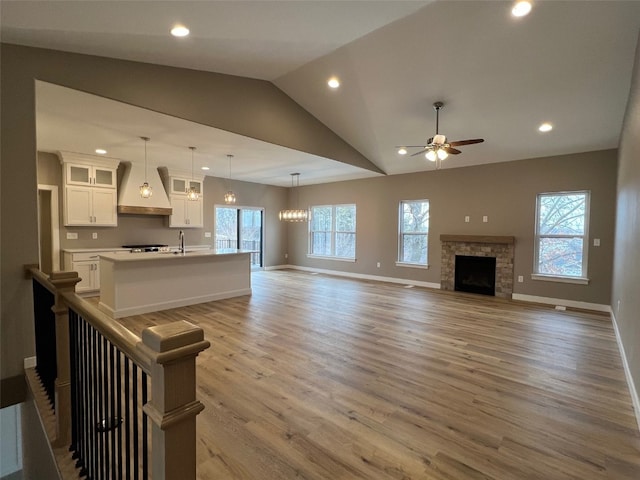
(87, 264)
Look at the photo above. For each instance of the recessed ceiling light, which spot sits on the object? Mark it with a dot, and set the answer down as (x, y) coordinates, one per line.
(179, 31)
(333, 82)
(204, 168)
(101, 151)
(402, 151)
(545, 127)
(520, 9)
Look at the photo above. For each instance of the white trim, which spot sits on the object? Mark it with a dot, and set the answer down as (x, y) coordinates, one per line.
(325, 257)
(277, 267)
(30, 362)
(561, 301)
(412, 265)
(555, 278)
(635, 400)
(183, 302)
(360, 276)
(55, 225)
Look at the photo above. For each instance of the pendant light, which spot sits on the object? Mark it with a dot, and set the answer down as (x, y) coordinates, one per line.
(145, 190)
(295, 215)
(229, 197)
(192, 193)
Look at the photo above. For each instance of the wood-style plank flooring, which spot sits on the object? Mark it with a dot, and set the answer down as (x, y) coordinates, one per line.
(318, 377)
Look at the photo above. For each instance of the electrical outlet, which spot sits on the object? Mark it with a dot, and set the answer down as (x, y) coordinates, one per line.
(94, 235)
(520, 279)
(485, 219)
(618, 307)
(378, 264)
(466, 219)
(286, 255)
(207, 234)
(72, 235)
(596, 242)
(561, 308)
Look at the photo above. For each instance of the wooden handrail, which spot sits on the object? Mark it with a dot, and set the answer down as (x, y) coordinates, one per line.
(118, 335)
(32, 271)
(166, 353)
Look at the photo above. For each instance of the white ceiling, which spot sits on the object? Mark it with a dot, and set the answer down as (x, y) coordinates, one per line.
(567, 62)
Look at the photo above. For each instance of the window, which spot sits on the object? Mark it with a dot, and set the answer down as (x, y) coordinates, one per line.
(332, 231)
(561, 235)
(413, 232)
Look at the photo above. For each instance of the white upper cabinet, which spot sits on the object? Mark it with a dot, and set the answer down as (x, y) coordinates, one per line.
(186, 213)
(90, 196)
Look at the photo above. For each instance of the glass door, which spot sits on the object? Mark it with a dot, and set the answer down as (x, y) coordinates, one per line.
(240, 228)
(250, 230)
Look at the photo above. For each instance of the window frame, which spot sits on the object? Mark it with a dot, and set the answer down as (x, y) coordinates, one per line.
(399, 261)
(581, 279)
(332, 233)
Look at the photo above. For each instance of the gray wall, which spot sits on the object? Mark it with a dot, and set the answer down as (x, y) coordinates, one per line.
(626, 266)
(505, 192)
(139, 229)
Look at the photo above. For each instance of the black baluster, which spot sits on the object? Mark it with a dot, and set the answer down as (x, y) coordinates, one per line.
(136, 465)
(119, 410)
(145, 440)
(127, 416)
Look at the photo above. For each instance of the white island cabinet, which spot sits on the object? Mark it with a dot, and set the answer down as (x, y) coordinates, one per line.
(136, 283)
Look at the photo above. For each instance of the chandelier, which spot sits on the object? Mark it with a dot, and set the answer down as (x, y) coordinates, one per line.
(295, 215)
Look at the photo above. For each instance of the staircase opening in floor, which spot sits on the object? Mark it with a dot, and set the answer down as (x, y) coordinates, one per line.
(475, 274)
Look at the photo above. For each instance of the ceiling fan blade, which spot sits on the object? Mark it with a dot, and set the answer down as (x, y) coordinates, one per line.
(453, 151)
(411, 146)
(466, 142)
(421, 151)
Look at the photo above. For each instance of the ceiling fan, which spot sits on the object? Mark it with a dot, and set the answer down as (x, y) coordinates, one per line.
(438, 148)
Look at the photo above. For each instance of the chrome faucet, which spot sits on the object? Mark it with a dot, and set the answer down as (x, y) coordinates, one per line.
(181, 238)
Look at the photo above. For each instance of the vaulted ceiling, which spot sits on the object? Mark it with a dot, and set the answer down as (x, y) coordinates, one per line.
(568, 63)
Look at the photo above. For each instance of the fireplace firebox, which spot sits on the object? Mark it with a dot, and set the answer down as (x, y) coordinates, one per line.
(475, 274)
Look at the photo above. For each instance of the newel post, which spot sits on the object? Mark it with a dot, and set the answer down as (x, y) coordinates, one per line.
(63, 282)
(173, 407)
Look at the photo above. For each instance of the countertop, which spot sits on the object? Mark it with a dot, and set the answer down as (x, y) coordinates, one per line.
(120, 249)
(126, 256)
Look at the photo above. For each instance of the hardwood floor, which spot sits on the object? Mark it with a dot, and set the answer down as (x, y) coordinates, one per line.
(317, 377)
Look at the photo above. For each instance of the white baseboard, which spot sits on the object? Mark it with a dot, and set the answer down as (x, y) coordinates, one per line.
(627, 372)
(561, 301)
(30, 362)
(183, 302)
(360, 276)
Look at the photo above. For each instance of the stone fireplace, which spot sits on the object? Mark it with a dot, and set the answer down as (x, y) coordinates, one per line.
(499, 247)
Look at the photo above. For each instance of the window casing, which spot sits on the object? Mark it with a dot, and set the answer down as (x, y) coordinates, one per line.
(561, 242)
(413, 233)
(332, 232)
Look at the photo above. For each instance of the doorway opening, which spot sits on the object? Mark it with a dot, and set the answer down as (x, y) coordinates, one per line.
(241, 228)
(48, 229)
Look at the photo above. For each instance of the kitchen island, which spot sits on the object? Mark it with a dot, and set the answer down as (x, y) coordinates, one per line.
(132, 283)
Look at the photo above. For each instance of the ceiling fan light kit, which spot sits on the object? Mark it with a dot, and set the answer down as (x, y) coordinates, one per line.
(437, 148)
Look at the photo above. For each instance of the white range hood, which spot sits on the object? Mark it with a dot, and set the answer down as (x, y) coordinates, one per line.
(129, 199)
